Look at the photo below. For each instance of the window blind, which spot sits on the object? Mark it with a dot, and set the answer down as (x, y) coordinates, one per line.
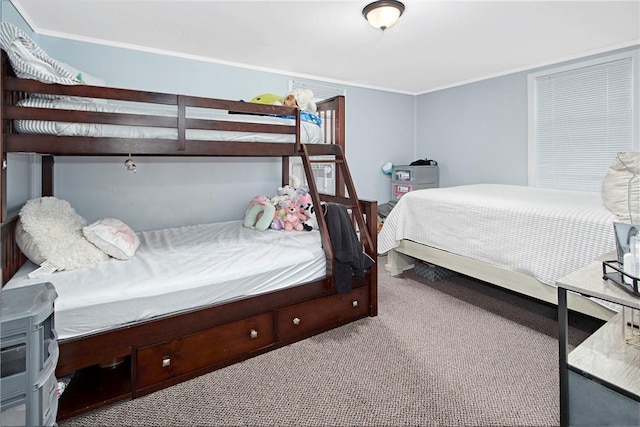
(320, 91)
(582, 118)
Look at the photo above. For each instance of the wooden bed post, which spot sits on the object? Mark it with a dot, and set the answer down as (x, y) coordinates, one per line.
(47, 176)
(286, 165)
(370, 210)
(341, 139)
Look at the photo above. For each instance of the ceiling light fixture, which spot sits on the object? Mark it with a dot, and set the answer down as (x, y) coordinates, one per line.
(383, 14)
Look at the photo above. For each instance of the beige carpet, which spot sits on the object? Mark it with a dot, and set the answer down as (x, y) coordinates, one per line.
(451, 353)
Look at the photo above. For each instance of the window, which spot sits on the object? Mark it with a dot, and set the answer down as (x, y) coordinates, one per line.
(580, 116)
(322, 172)
(320, 91)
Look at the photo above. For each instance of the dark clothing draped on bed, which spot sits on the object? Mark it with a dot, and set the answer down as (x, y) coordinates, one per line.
(350, 259)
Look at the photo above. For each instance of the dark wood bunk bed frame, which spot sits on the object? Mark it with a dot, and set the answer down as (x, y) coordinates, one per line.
(241, 328)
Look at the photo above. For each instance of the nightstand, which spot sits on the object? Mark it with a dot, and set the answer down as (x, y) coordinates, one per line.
(599, 379)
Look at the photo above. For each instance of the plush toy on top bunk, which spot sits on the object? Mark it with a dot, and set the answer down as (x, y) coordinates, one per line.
(289, 209)
(300, 98)
(304, 100)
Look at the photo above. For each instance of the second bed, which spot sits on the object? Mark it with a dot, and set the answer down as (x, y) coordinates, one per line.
(521, 238)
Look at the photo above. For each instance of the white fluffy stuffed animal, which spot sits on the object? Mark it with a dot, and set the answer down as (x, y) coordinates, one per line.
(295, 182)
(288, 192)
(304, 98)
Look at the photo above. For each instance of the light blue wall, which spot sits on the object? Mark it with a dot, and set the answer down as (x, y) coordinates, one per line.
(168, 192)
(378, 132)
(478, 132)
(10, 14)
(18, 172)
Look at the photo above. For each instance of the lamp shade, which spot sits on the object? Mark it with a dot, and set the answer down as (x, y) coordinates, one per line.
(383, 14)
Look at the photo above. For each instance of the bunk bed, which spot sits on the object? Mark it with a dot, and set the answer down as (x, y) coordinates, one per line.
(136, 358)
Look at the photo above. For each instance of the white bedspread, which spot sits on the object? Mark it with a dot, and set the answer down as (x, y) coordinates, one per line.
(541, 232)
(178, 269)
(310, 133)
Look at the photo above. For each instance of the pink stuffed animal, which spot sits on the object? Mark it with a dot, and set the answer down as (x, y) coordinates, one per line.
(294, 217)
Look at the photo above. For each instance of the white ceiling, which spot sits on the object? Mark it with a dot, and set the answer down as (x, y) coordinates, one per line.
(436, 44)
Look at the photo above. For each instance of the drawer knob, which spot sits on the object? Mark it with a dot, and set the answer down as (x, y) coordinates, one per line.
(354, 303)
(254, 334)
(296, 321)
(166, 361)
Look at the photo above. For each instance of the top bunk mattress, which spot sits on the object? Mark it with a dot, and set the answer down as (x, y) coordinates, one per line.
(310, 131)
(544, 233)
(179, 269)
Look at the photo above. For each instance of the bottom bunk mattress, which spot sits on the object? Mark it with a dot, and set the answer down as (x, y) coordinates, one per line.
(179, 269)
(543, 233)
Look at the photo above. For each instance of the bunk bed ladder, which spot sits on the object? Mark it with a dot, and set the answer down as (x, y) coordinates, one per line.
(350, 199)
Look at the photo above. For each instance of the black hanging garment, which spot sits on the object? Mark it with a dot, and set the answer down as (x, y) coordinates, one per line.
(350, 259)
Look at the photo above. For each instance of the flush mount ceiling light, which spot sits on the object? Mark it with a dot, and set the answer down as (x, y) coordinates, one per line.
(383, 14)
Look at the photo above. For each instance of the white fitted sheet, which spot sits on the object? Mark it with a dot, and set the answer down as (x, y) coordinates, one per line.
(179, 269)
(310, 133)
(544, 233)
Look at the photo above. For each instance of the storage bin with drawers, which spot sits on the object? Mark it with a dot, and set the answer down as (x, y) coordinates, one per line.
(172, 359)
(406, 178)
(302, 320)
(28, 385)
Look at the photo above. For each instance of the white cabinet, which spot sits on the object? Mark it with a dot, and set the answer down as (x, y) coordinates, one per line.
(28, 385)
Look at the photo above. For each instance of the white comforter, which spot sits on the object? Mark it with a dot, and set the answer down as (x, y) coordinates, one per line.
(541, 232)
(179, 269)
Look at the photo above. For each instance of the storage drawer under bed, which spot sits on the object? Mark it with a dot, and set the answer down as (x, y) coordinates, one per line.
(164, 361)
(307, 318)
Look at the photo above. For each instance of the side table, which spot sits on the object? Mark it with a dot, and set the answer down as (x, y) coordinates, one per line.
(600, 378)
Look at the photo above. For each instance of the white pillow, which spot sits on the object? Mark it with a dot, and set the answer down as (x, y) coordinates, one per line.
(113, 237)
(49, 229)
(621, 187)
(29, 60)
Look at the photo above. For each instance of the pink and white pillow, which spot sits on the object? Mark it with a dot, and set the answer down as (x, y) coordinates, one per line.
(113, 237)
